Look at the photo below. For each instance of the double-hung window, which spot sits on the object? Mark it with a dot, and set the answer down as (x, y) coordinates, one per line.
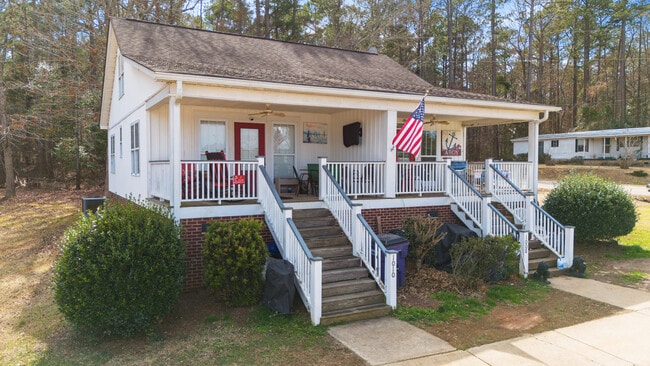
(135, 148)
(120, 75)
(112, 154)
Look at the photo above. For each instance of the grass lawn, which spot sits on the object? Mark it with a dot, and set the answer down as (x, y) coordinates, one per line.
(201, 330)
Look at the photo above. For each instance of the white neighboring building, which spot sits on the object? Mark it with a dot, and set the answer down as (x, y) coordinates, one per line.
(601, 144)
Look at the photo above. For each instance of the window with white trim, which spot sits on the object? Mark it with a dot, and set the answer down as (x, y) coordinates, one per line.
(120, 75)
(284, 150)
(555, 143)
(428, 149)
(112, 154)
(582, 145)
(135, 148)
(212, 136)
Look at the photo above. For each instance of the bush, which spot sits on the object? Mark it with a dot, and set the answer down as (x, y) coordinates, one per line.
(423, 235)
(121, 270)
(639, 173)
(234, 256)
(476, 261)
(598, 208)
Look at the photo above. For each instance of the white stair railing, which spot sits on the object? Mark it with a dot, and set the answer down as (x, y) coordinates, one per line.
(381, 263)
(553, 235)
(307, 268)
(468, 198)
(501, 226)
(508, 194)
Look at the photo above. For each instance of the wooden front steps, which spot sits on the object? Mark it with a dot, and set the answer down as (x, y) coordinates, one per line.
(537, 254)
(349, 293)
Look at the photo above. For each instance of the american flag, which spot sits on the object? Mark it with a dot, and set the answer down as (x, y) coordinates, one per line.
(409, 137)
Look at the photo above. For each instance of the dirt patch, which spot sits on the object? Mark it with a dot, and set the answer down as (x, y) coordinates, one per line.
(604, 264)
(505, 320)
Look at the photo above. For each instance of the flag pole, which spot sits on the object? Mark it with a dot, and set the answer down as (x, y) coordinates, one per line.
(426, 93)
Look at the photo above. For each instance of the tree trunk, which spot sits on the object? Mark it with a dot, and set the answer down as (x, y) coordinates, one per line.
(450, 46)
(5, 140)
(620, 97)
(493, 49)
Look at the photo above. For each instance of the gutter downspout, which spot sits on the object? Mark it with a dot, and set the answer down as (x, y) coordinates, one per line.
(533, 146)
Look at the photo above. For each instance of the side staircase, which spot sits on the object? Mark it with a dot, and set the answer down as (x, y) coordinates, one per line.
(349, 293)
(537, 253)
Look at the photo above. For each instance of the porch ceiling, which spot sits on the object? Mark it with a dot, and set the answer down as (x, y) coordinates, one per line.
(431, 119)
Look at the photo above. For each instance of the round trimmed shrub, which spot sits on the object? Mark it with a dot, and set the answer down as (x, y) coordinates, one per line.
(120, 271)
(234, 255)
(598, 208)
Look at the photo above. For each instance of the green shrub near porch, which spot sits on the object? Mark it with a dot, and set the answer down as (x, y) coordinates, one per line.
(597, 207)
(234, 255)
(120, 271)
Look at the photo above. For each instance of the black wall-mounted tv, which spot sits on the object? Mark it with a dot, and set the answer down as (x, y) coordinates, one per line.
(352, 134)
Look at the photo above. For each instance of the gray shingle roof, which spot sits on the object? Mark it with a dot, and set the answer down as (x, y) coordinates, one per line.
(178, 50)
(621, 132)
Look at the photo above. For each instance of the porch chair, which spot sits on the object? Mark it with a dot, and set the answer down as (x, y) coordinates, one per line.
(312, 171)
(189, 182)
(219, 176)
(303, 181)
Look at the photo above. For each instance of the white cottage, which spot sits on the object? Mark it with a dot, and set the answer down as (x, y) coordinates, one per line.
(220, 126)
(628, 143)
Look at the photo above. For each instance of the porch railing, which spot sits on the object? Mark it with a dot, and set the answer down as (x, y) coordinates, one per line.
(159, 184)
(553, 235)
(218, 181)
(359, 178)
(307, 268)
(381, 263)
(518, 173)
(420, 177)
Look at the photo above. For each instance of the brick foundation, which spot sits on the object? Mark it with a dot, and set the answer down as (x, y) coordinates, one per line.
(193, 235)
(392, 218)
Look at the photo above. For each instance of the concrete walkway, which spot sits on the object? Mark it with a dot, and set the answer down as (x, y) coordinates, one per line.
(621, 339)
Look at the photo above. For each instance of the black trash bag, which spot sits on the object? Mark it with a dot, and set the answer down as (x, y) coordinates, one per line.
(279, 289)
(455, 233)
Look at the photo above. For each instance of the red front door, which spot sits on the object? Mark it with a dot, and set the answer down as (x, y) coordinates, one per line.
(249, 140)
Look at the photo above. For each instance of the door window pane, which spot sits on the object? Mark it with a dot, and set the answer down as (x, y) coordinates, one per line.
(249, 143)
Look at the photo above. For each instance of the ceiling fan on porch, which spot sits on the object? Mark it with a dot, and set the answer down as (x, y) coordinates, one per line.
(266, 112)
(434, 121)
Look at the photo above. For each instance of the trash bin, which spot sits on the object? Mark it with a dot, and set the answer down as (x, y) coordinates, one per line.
(91, 204)
(279, 289)
(401, 245)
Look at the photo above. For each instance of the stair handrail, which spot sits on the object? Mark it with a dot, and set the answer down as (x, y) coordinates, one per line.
(509, 195)
(365, 243)
(371, 252)
(466, 196)
(553, 235)
(308, 269)
(501, 226)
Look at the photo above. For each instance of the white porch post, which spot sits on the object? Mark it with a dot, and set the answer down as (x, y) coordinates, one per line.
(390, 278)
(523, 249)
(488, 176)
(533, 153)
(260, 177)
(322, 177)
(448, 178)
(175, 140)
(390, 172)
